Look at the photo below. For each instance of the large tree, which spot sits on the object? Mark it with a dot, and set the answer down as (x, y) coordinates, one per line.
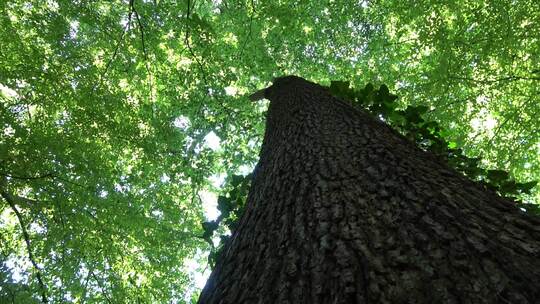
(343, 209)
(108, 108)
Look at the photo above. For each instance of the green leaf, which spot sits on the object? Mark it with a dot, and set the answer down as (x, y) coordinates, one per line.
(209, 228)
(236, 180)
(383, 91)
(497, 176)
(396, 118)
(339, 86)
(526, 187)
(414, 114)
(368, 89)
(341, 89)
(508, 187)
(224, 205)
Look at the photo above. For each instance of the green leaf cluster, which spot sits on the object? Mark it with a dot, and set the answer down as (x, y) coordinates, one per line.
(231, 206)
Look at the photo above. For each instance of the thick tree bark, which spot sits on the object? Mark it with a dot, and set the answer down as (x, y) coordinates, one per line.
(343, 209)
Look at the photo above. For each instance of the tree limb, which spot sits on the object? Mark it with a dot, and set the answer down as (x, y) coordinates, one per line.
(126, 28)
(490, 81)
(190, 49)
(11, 202)
(249, 29)
(101, 287)
(145, 53)
(27, 177)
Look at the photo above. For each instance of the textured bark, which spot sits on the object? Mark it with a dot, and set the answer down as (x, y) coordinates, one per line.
(343, 209)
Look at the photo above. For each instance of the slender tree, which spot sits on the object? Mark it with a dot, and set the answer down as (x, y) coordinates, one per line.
(343, 209)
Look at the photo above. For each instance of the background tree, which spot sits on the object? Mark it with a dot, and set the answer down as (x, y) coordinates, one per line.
(112, 112)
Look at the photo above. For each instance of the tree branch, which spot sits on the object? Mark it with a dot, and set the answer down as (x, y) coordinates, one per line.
(126, 28)
(11, 202)
(249, 29)
(190, 49)
(27, 177)
(141, 29)
(145, 53)
(101, 287)
(490, 81)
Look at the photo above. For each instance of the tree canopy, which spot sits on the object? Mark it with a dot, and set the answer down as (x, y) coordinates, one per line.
(122, 120)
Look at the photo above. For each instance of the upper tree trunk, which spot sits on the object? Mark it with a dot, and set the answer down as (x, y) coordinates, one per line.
(343, 209)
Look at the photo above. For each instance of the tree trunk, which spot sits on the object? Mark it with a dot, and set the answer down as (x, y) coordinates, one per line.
(343, 209)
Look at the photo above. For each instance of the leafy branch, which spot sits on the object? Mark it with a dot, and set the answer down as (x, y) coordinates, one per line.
(28, 177)
(11, 202)
(120, 40)
(98, 282)
(188, 45)
(491, 81)
(134, 11)
(248, 37)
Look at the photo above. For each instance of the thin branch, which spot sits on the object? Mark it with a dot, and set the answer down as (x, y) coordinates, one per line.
(486, 81)
(28, 177)
(515, 142)
(145, 53)
(141, 29)
(190, 49)
(72, 183)
(101, 287)
(126, 28)
(85, 287)
(9, 199)
(249, 30)
(187, 18)
(399, 42)
(143, 43)
(28, 111)
(517, 111)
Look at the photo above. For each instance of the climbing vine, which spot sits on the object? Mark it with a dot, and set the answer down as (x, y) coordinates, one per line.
(430, 136)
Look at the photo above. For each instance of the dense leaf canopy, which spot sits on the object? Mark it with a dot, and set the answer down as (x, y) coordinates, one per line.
(121, 118)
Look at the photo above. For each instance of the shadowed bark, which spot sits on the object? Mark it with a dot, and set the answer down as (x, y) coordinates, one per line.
(342, 209)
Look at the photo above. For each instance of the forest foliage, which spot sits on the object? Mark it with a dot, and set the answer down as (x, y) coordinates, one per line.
(125, 122)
